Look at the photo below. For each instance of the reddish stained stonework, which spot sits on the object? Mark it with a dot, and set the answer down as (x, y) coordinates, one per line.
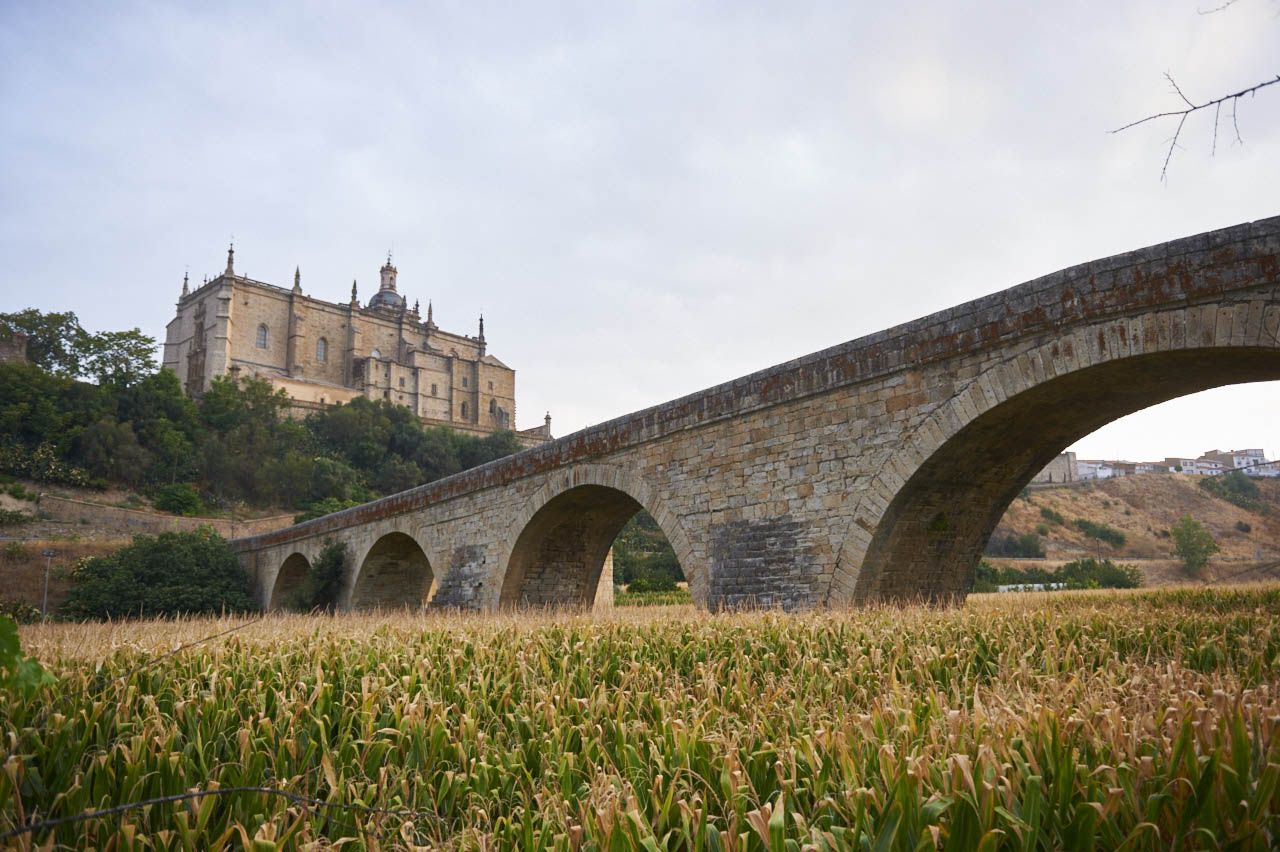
(874, 470)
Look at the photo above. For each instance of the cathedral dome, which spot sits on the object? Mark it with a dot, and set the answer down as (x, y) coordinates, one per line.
(387, 299)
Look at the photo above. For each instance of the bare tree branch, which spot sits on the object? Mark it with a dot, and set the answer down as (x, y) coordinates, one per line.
(1183, 114)
(1228, 4)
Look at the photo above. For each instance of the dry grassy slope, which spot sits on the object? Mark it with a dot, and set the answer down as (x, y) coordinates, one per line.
(1143, 507)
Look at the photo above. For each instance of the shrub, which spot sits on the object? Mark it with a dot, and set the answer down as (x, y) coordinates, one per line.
(653, 582)
(1098, 574)
(1193, 544)
(1042, 530)
(41, 464)
(169, 574)
(323, 584)
(1080, 574)
(1234, 487)
(14, 550)
(1051, 516)
(327, 506)
(1102, 532)
(21, 612)
(179, 498)
(1244, 527)
(1026, 546)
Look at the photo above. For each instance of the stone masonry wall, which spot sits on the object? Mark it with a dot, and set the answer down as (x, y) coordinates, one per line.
(775, 488)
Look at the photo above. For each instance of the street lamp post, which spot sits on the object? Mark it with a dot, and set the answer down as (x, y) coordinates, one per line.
(48, 564)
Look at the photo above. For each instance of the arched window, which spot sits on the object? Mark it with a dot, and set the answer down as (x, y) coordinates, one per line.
(262, 336)
(464, 411)
(493, 407)
(322, 350)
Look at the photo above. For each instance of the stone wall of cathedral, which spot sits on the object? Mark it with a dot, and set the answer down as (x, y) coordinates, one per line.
(321, 353)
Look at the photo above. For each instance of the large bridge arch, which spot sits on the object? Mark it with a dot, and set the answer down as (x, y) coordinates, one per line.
(562, 536)
(920, 529)
(394, 573)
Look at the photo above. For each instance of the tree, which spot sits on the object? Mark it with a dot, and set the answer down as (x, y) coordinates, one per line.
(53, 339)
(110, 450)
(168, 574)
(323, 584)
(1188, 107)
(118, 357)
(1193, 544)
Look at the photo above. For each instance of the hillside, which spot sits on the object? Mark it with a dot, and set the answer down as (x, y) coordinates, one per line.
(1144, 508)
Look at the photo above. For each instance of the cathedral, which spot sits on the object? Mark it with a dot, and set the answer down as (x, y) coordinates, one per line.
(322, 353)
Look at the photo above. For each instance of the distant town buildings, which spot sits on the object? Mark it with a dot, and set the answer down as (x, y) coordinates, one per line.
(1251, 462)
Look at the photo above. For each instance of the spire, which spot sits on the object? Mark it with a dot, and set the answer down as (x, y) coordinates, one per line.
(297, 279)
(231, 259)
(482, 328)
(430, 318)
(354, 300)
(186, 290)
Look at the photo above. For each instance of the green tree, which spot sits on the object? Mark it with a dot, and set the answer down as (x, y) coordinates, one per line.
(1193, 544)
(168, 574)
(110, 450)
(54, 339)
(323, 584)
(118, 357)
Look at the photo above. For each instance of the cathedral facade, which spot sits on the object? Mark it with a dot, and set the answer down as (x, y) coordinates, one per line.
(322, 353)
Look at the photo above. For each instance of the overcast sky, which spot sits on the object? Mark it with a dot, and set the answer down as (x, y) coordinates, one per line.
(643, 200)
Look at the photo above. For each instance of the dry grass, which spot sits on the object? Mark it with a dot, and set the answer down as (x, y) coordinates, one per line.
(1147, 719)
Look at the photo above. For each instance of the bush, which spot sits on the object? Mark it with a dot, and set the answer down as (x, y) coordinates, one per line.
(21, 612)
(179, 498)
(327, 506)
(1051, 516)
(169, 574)
(41, 464)
(14, 550)
(1042, 530)
(1080, 574)
(1234, 487)
(1098, 574)
(1193, 544)
(1244, 527)
(322, 586)
(1102, 532)
(10, 518)
(653, 582)
(1026, 546)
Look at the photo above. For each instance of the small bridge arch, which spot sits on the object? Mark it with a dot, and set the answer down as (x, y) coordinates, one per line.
(289, 580)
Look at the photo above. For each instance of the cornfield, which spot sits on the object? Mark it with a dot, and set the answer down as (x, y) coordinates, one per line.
(1073, 720)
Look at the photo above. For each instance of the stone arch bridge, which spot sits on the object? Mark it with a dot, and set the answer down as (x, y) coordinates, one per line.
(875, 470)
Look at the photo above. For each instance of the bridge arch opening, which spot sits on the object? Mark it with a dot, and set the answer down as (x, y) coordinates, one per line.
(395, 574)
(289, 581)
(930, 538)
(563, 556)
